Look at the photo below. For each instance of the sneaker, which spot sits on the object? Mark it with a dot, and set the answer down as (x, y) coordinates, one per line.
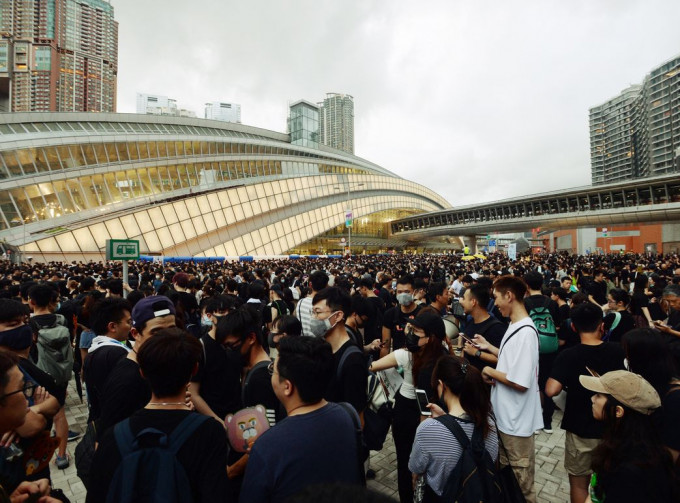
(73, 435)
(62, 462)
(548, 430)
(370, 474)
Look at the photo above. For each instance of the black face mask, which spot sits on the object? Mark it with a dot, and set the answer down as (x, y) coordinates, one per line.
(412, 342)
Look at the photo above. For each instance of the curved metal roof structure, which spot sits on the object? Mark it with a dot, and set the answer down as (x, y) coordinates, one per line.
(181, 186)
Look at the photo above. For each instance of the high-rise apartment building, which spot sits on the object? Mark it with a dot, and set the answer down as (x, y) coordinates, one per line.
(225, 112)
(58, 55)
(611, 138)
(303, 124)
(336, 122)
(154, 104)
(637, 133)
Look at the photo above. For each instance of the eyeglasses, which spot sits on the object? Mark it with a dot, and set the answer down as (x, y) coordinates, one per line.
(28, 391)
(316, 313)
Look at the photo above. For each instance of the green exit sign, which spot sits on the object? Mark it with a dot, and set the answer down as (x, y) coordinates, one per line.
(122, 249)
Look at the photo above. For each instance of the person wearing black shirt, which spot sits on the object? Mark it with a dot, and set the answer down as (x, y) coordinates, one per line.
(216, 386)
(242, 336)
(398, 316)
(535, 299)
(110, 319)
(125, 391)
(618, 301)
(597, 290)
(167, 362)
(330, 307)
(474, 302)
(583, 431)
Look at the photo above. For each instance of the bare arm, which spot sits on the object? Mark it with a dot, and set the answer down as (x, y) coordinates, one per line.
(386, 339)
(552, 387)
(386, 362)
(490, 374)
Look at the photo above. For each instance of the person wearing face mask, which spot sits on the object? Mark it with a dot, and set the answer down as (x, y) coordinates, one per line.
(16, 337)
(424, 339)
(330, 308)
(583, 431)
(216, 386)
(395, 318)
(362, 312)
(283, 326)
(243, 337)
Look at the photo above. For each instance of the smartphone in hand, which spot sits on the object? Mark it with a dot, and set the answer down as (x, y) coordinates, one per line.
(421, 395)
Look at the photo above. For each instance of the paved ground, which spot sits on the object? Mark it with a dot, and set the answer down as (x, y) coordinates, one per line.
(552, 484)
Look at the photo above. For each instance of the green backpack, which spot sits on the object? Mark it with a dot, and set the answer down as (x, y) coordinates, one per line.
(547, 334)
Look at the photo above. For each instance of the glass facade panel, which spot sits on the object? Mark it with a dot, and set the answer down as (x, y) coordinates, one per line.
(220, 220)
(9, 211)
(165, 237)
(122, 150)
(162, 149)
(26, 157)
(112, 152)
(143, 150)
(132, 150)
(12, 163)
(100, 234)
(144, 221)
(152, 242)
(130, 224)
(64, 196)
(84, 239)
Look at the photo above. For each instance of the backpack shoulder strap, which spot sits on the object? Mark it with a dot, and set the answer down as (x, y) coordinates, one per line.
(455, 429)
(359, 440)
(124, 438)
(617, 320)
(513, 334)
(350, 350)
(184, 430)
(246, 381)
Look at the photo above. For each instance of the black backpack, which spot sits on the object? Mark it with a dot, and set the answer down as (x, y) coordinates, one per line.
(475, 477)
(152, 473)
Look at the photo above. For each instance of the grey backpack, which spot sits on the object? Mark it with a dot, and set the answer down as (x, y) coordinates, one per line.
(55, 354)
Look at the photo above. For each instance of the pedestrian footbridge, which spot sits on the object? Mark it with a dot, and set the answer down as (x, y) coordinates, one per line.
(639, 201)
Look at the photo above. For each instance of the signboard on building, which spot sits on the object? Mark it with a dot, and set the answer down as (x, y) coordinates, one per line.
(512, 251)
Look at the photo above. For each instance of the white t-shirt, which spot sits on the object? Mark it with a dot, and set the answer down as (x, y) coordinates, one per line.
(405, 361)
(518, 413)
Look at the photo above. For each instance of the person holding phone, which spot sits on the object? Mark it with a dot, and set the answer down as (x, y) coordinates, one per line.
(436, 451)
(425, 335)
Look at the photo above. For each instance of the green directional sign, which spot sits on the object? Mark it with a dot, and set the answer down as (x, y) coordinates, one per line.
(122, 249)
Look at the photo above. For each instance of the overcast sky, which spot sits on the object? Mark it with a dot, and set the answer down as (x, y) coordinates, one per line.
(479, 100)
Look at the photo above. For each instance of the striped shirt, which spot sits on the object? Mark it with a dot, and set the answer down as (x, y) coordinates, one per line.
(304, 314)
(436, 451)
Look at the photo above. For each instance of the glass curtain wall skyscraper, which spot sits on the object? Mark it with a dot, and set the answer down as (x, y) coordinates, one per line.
(58, 55)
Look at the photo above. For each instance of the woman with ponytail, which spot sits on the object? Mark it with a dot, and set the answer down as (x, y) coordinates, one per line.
(436, 451)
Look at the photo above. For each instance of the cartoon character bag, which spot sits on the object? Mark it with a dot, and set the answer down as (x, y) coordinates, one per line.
(245, 426)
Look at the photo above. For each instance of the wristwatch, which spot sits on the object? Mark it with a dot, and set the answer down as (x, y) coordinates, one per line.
(478, 353)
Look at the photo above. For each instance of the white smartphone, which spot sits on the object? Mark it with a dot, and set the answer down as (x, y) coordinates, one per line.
(421, 396)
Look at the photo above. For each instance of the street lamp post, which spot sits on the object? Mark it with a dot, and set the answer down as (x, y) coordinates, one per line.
(349, 215)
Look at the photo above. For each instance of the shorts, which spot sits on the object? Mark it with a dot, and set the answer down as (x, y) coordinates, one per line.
(578, 454)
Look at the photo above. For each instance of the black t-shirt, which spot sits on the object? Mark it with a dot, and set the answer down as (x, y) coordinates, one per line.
(626, 323)
(564, 312)
(670, 432)
(257, 390)
(534, 301)
(98, 366)
(373, 326)
(351, 386)
(567, 334)
(569, 365)
(598, 289)
(491, 329)
(125, 392)
(203, 455)
(395, 320)
(281, 309)
(386, 297)
(637, 302)
(219, 377)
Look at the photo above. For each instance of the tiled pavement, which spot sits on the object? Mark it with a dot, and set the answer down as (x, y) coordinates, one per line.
(552, 485)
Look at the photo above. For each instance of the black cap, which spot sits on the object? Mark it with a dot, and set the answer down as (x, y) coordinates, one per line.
(431, 323)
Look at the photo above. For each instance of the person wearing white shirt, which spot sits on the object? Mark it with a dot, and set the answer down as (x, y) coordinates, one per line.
(514, 394)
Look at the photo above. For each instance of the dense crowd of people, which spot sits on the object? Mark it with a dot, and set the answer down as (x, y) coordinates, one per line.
(268, 380)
